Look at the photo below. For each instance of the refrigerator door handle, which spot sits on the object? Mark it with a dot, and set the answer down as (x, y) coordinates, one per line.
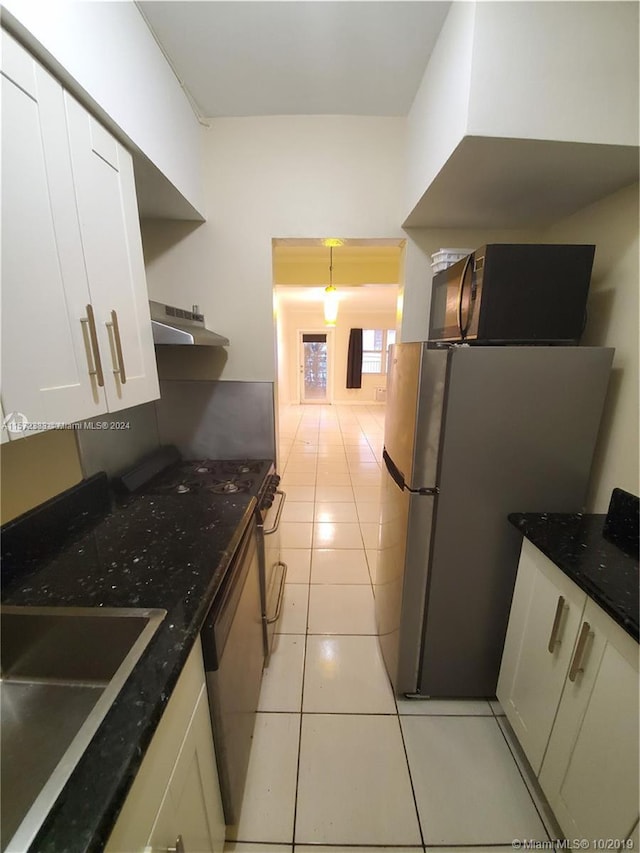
(399, 480)
(396, 475)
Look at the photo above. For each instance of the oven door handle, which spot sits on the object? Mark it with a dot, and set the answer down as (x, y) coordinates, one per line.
(276, 615)
(276, 524)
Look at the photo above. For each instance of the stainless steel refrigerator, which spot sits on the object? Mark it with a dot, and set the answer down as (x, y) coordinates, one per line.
(471, 435)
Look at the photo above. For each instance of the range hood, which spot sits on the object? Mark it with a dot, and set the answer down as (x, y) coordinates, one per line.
(176, 326)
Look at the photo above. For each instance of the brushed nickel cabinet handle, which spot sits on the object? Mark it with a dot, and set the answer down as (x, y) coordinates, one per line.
(118, 344)
(553, 639)
(576, 664)
(95, 369)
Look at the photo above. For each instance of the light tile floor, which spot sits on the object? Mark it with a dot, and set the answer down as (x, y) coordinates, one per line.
(338, 762)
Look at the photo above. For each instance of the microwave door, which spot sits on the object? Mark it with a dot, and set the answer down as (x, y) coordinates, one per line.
(448, 318)
(466, 297)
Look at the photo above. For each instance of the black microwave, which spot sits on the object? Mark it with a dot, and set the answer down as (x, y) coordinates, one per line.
(513, 293)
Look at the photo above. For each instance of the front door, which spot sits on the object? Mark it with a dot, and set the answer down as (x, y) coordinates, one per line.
(314, 362)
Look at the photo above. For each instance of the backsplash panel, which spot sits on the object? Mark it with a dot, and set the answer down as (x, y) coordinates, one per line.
(221, 420)
(132, 433)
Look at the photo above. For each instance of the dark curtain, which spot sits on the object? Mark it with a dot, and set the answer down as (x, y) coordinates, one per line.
(354, 359)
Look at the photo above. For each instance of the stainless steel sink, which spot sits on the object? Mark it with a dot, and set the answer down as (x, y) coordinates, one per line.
(61, 669)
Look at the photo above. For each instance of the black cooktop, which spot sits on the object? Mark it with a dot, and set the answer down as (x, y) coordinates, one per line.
(213, 476)
(165, 473)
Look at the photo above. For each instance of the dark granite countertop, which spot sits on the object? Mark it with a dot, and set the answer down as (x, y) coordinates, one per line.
(151, 551)
(575, 543)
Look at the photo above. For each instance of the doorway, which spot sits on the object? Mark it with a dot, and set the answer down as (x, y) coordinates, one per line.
(314, 353)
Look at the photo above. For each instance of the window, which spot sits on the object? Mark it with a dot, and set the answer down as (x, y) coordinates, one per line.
(375, 349)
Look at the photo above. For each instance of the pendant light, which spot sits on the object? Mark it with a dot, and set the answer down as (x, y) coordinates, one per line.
(330, 296)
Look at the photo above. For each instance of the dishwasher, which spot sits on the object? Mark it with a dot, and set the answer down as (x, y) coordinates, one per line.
(233, 652)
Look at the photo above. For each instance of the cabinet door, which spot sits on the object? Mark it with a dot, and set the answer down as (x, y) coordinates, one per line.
(108, 214)
(535, 663)
(46, 353)
(4, 432)
(590, 771)
(192, 807)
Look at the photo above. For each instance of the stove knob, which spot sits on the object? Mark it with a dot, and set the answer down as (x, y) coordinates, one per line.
(276, 480)
(267, 503)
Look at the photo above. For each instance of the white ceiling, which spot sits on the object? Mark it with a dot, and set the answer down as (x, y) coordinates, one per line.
(297, 57)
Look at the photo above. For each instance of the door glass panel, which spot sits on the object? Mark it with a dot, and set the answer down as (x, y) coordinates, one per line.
(314, 354)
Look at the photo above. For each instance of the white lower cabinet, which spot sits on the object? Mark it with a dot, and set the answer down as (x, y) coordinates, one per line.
(590, 771)
(175, 799)
(543, 625)
(569, 687)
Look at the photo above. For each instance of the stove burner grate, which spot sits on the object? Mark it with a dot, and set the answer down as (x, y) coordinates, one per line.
(226, 488)
(227, 469)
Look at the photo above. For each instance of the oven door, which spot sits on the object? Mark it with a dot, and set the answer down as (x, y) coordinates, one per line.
(275, 572)
(232, 647)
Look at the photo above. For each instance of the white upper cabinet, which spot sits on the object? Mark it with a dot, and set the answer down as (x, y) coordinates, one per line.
(71, 256)
(108, 214)
(47, 362)
(526, 113)
(109, 53)
(4, 433)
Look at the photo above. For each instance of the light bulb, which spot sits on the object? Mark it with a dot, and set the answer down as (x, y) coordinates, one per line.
(330, 305)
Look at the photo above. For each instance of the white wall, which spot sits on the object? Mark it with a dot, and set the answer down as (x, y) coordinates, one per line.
(566, 71)
(437, 120)
(284, 176)
(107, 52)
(613, 320)
(557, 71)
(613, 317)
(292, 320)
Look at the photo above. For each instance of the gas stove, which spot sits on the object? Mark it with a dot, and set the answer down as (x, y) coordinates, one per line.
(218, 477)
(215, 478)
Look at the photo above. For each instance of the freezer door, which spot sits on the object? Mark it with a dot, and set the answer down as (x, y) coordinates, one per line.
(405, 362)
(434, 371)
(401, 579)
(415, 394)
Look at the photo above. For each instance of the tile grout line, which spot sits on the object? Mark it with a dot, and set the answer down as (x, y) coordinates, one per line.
(378, 713)
(406, 758)
(524, 780)
(304, 670)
